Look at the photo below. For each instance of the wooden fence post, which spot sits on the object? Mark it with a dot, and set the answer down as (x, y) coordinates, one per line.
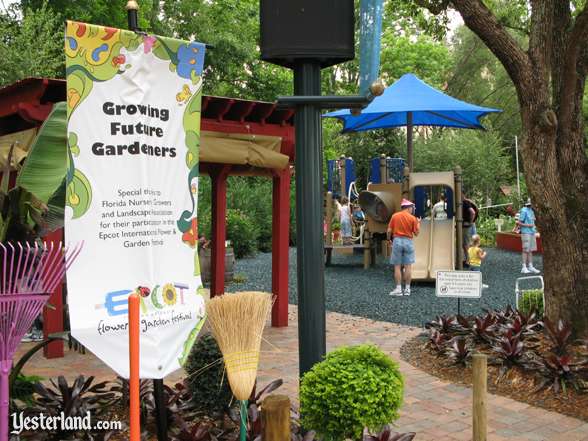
(479, 378)
(275, 418)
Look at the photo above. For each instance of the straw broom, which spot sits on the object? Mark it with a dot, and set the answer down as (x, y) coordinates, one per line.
(237, 322)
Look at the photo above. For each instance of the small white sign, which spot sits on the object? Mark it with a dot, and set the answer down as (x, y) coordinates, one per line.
(466, 284)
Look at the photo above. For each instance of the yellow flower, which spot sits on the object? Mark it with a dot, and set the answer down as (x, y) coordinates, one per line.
(169, 294)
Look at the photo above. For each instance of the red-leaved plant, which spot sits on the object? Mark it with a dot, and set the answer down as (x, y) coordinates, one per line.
(561, 370)
(559, 334)
(459, 351)
(387, 434)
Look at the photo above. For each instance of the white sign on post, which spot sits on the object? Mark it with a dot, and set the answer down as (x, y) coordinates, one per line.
(134, 104)
(459, 284)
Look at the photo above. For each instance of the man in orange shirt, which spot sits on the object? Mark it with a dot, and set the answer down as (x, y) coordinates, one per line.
(402, 228)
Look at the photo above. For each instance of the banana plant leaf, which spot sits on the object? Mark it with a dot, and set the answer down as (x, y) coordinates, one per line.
(53, 217)
(45, 167)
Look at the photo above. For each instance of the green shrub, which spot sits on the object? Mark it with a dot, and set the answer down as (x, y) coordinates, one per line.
(23, 388)
(486, 228)
(532, 298)
(353, 388)
(205, 376)
(253, 196)
(242, 232)
(249, 195)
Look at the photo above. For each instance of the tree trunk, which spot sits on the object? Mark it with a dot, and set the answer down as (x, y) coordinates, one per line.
(550, 81)
(561, 220)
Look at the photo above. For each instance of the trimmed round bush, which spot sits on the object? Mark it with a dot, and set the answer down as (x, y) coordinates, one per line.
(204, 368)
(354, 387)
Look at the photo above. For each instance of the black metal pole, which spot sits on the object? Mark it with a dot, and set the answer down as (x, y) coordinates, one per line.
(132, 15)
(309, 218)
(327, 101)
(409, 147)
(160, 409)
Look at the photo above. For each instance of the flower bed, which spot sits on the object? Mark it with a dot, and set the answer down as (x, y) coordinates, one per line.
(528, 360)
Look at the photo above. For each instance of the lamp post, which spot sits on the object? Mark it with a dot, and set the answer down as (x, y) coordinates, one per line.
(309, 202)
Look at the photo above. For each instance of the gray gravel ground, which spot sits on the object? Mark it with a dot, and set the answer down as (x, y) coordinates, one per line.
(352, 290)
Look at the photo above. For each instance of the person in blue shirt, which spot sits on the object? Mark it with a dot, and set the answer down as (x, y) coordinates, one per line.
(526, 222)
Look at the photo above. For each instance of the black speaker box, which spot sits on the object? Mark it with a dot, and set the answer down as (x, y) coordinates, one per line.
(293, 30)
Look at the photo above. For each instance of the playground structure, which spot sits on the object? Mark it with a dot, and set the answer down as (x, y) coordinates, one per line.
(341, 182)
(438, 246)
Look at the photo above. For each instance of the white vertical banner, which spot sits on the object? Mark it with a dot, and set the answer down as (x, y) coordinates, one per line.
(132, 186)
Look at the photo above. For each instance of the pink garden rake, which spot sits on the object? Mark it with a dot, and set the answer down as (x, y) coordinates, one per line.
(29, 276)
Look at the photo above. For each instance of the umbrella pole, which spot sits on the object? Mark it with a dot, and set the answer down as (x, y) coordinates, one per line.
(409, 152)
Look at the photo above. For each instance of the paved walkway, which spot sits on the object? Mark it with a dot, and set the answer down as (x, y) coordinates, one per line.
(433, 408)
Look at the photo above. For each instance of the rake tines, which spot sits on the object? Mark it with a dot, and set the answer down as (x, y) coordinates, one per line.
(34, 269)
(29, 276)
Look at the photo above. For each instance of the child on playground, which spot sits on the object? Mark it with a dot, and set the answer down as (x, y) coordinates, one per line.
(476, 255)
(345, 219)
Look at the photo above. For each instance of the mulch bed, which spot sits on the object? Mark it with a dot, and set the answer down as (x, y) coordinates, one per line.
(517, 384)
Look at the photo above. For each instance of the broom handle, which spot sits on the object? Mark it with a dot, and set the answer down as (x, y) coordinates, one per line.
(243, 432)
(5, 366)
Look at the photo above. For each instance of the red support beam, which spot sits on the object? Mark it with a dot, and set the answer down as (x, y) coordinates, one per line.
(53, 315)
(280, 246)
(28, 91)
(34, 113)
(218, 176)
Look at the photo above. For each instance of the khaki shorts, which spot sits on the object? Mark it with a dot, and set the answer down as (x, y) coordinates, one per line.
(529, 242)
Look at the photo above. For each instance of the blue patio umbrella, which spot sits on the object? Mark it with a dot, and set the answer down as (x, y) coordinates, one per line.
(412, 102)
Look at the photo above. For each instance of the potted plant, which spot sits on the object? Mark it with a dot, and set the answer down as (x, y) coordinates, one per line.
(205, 256)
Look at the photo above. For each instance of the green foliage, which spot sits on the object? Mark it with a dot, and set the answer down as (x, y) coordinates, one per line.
(46, 165)
(409, 16)
(31, 44)
(23, 388)
(205, 376)
(484, 163)
(532, 299)
(100, 12)
(253, 196)
(242, 231)
(233, 67)
(204, 206)
(486, 228)
(35, 205)
(424, 57)
(478, 77)
(353, 388)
